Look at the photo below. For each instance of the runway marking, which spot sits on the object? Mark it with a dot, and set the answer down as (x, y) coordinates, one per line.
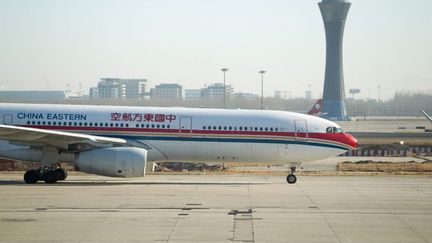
(242, 226)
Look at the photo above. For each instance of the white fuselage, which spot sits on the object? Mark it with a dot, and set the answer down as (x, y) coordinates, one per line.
(192, 134)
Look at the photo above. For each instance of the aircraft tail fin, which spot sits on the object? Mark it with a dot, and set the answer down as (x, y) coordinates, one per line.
(316, 108)
(427, 116)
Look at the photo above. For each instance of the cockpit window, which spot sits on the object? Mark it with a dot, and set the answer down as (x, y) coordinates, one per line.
(334, 130)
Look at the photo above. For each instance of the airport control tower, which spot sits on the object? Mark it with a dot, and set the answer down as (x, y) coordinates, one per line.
(334, 14)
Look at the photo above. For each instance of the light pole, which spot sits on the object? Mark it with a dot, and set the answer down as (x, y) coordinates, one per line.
(224, 70)
(262, 87)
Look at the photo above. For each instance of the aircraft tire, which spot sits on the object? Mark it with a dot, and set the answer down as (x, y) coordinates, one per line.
(291, 179)
(31, 176)
(50, 177)
(61, 174)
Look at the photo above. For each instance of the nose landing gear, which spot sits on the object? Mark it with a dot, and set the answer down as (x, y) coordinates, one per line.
(291, 178)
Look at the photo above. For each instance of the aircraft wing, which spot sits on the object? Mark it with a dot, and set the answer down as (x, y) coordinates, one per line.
(35, 136)
(427, 116)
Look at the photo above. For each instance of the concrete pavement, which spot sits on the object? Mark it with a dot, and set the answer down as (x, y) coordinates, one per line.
(217, 208)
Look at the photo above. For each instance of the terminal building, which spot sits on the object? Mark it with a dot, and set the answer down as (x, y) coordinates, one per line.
(216, 91)
(117, 88)
(193, 94)
(166, 92)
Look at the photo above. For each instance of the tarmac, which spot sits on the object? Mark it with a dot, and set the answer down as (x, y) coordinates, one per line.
(390, 130)
(217, 208)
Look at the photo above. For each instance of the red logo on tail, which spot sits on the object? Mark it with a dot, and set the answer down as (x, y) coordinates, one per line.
(316, 109)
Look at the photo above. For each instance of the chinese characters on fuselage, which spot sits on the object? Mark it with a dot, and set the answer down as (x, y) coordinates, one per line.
(140, 117)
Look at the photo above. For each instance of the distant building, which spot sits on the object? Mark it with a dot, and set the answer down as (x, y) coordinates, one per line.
(193, 94)
(117, 88)
(308, 94)
(216, 91)
(166, 92)
(33, 95)
(245, 96)
(282, 94)
(134, 88)
(94, 93)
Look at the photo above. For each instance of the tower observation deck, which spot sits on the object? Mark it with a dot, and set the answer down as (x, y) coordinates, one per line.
(334, 14)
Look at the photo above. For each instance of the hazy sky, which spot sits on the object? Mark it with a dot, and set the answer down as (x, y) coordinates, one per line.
(386, 43)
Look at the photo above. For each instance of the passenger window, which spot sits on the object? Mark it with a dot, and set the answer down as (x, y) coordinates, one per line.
(266, 129)
(235, 128)
(152, 125)
(220, 128)
(121, 124)
(157, 126)
(204, 127)
(240, 128)
(225, 128)
(137, 125)
(168, 126)
(271, 129)
(229, 128)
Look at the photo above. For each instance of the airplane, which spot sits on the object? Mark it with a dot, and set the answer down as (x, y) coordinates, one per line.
(316, 108)
(427, 116)
(119, 141)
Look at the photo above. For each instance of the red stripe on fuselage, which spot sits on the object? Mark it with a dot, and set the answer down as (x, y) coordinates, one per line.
(333, 137)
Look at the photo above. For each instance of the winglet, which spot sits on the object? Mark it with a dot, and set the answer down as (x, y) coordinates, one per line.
(427, 116)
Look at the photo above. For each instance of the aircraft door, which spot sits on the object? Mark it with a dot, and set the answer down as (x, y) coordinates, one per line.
(7, 119)
(185, 128)
(300, 127)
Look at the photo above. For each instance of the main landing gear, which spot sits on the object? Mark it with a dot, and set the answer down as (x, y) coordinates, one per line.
(48, 174)
(291, 178)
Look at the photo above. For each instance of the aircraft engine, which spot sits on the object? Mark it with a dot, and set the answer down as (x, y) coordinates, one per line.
(114, 161)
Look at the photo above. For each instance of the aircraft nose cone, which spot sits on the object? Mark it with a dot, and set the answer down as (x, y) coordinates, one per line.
(351, 140)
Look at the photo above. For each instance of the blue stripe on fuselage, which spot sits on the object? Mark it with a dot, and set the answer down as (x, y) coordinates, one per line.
(229, 140)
